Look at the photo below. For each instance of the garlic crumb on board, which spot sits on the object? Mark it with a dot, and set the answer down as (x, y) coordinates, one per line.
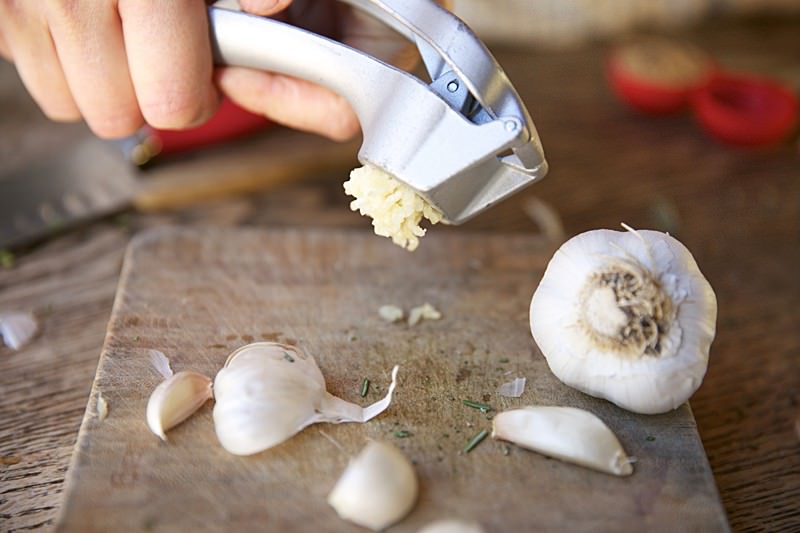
(395, 208)
(425, 311)
(390, 313)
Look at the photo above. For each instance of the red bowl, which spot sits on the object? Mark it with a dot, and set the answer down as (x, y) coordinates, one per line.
(746, 110)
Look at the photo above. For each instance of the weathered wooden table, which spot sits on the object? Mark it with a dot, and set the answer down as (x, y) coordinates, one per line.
(738, 211)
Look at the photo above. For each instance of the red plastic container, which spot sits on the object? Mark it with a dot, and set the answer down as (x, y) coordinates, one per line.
(745, 110)
(659, 76)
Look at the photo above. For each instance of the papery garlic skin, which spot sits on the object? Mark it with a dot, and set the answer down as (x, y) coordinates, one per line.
(626, 316)
(175, 399)
(566, 433)
(378, 487)
(267, 392)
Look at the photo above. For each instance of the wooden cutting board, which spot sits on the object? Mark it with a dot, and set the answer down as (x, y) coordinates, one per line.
(197, 295)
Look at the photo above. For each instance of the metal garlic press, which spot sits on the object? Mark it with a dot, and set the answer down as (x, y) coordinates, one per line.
(464, 142)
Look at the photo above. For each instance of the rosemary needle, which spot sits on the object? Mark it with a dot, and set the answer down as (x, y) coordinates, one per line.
(364, 387)
(482, 407)
(474, 441)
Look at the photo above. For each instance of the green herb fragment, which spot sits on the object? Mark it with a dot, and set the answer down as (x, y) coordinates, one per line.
(288, 357)
(402, 434)
(474, 441)
(7, 259)
(482, 407)
(364, 387)
(137, 338)
(650, 438)
(504, 360)
(506, 450)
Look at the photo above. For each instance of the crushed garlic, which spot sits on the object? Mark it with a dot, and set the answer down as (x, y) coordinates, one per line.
(395, 208)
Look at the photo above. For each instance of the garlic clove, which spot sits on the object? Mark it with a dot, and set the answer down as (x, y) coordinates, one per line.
(565, 433)
(267, 392)
(378, 487)
(452, 526)
(175, 399)
(626, 316)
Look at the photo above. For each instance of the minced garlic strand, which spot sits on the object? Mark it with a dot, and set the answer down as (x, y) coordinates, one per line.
(395, 208)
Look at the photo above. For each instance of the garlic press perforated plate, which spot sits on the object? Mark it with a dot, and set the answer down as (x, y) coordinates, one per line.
(464, 142)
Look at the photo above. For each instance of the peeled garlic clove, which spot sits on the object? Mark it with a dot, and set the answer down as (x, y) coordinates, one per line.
(565, 433)
(452, 526)
(378, 487)
(175, 399)
(268, 392)
(626, 316)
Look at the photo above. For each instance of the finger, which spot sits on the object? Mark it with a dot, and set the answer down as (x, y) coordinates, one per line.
(264, 7)
(292, 102)
(27, 41)
(88, 38)
(4, 50)
(169, 56)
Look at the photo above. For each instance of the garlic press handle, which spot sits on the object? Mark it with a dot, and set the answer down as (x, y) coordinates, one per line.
(448, 140)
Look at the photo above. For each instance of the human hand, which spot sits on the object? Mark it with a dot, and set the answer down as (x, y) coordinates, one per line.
(120, 63)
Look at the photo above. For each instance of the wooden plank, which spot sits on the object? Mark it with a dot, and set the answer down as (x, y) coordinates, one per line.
(198, 294)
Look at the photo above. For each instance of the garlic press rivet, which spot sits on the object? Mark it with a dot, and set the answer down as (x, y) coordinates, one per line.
(452, 86)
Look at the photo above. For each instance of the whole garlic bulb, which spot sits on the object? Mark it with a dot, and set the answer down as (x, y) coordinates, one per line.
(626, 316)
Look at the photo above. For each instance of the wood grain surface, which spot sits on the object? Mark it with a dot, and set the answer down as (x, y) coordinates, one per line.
(197, 295)
(738, 211)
